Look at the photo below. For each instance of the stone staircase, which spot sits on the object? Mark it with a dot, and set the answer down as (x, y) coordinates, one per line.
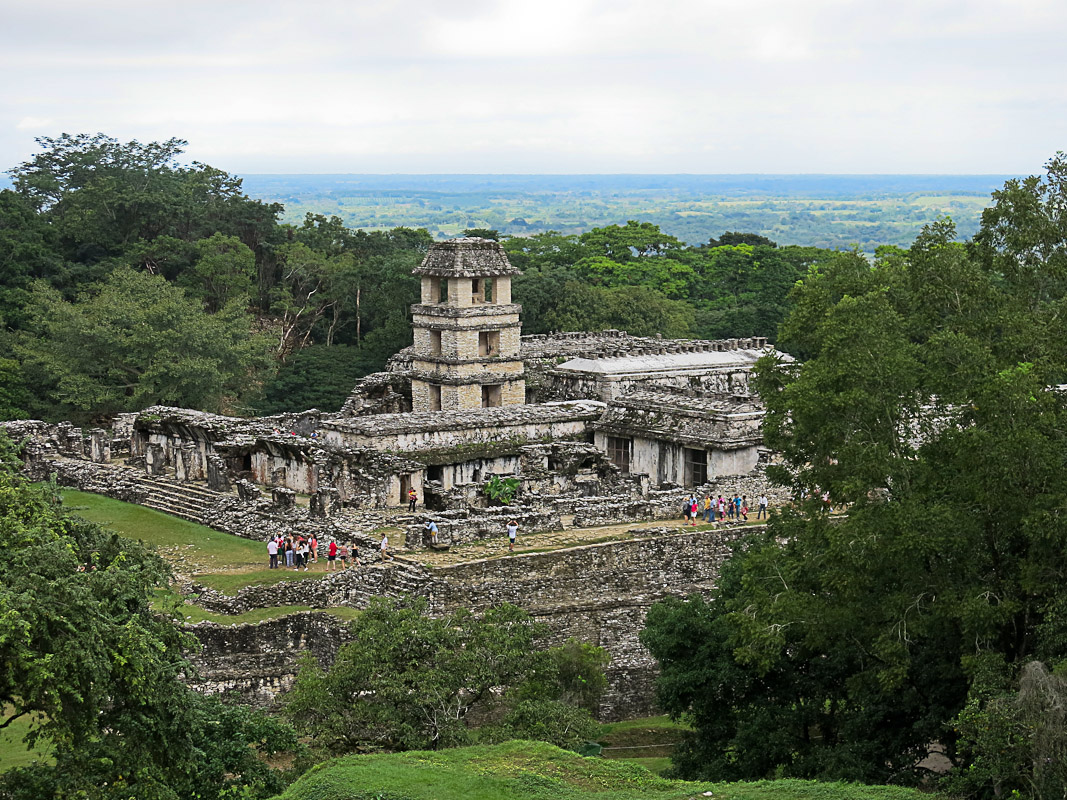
(183, 500)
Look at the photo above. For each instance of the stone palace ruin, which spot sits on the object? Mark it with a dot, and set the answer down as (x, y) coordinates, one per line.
(598, 429)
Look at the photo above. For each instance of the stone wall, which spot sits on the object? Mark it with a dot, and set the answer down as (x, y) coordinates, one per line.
(259, 662)
(353, 587)
(667, 504)
(597, 593)
(457, 527)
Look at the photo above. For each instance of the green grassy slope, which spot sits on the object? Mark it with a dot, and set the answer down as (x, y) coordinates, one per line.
(219, 560)
(195, 546)
(537, 771)
(13, 752)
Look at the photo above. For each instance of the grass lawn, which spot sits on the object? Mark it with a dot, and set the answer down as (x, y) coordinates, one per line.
(13, 752)
(218, 560)
(538, 771)
(190, 546)
(193, 614)
(657, 765)
(648, 742)
(233, 582)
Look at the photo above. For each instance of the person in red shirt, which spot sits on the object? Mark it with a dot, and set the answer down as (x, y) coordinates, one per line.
(331, 556)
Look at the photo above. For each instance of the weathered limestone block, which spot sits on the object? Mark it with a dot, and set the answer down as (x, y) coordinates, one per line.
(218, 478)
(155, 459)
(325, 502)
(189, 465)
(71, 442)
(138, 444)
(248, 492)
(259, 662)
(282, 497)
(99, 446)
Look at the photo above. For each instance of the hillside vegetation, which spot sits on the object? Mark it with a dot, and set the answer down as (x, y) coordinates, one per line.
(536, 771)
(129, 278)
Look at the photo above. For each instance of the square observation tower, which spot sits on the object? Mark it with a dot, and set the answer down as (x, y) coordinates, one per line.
(466, 329)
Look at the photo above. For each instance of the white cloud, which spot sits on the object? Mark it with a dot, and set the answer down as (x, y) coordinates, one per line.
(556, 85)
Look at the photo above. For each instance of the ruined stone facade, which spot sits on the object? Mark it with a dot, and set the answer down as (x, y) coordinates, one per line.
(597, 428)
(466, 330)
(597, 593)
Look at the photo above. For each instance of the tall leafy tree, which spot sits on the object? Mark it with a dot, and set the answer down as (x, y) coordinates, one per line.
(409, 680)
(134, 341)
(98, 672)
(103, 197)
(926, 402)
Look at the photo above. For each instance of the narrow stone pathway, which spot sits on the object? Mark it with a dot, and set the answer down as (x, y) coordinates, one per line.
(551, 540)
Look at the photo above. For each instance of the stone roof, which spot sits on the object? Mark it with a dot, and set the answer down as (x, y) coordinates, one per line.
(685, 360)
(614, 344)
(466, 258)
(499, 417)
(725, 423)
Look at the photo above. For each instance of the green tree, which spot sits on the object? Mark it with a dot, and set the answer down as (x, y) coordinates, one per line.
(316, 377)
(27, 252)
(223, 271)
(925, 404)
(135, 341)
(639, 310)
(544, 250)
(15, 398)
(622, 243)
(483, 233)
(103, 195)
(409, 680)
(98, 672)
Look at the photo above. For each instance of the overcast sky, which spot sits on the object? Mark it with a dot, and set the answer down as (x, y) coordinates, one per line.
(547, 86)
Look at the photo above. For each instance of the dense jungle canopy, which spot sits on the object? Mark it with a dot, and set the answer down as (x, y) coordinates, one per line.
(929, 404)
(129, 278)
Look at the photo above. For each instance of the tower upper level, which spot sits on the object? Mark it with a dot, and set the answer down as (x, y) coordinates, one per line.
(466, 272)
(466, 258)
(466, 329)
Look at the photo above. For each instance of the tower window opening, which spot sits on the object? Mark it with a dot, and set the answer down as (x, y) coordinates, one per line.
(489, 343)
(491, 395)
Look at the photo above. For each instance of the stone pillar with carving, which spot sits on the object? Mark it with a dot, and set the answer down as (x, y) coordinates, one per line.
(99, 446)
(189, 464)
(325, 502)
(138, 444)
(155, 459)
(218, 478)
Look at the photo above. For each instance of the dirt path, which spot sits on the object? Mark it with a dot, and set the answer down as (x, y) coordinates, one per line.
(552, 540)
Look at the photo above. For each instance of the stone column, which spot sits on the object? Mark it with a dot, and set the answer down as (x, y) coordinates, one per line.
(247, 491)
(188, 463)
(217, 476)
(325, 502)
(99, 446)
(283, 498)
(138, 444)
(155, 459)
